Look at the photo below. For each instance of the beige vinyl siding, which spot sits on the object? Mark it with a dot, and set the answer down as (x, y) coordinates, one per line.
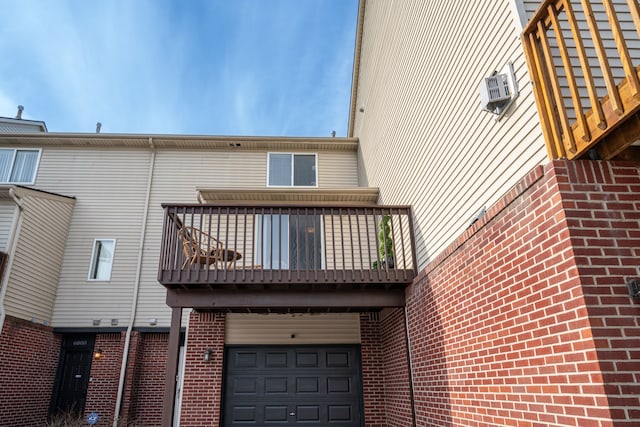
(423, 136)
(109, 185)
(7, 212)
(176, 176)
(292, 329)
(33, 281)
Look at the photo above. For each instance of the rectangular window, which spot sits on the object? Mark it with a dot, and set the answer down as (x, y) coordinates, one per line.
(102, 259)
(292, 170)
(18, 166)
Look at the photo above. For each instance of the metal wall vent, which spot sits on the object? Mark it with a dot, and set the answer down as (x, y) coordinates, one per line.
(498, 91)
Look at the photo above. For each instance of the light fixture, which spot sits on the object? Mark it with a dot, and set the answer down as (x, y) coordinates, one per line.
(96, 322)
(153, 321)
(206, 356)
(114, 322)
(97, 354)
(634, 288)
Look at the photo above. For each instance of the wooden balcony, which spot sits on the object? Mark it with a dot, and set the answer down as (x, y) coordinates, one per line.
(286, 248)
(584, 58)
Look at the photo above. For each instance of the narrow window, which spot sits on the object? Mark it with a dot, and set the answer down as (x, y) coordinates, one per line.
(292, 170)
(18, 166)
(102, 259)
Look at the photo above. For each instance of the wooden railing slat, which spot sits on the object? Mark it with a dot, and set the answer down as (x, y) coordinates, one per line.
(571, 78)
(612, 90)
(596, 106)
(567, 134)
(621, 45)
(634, 8)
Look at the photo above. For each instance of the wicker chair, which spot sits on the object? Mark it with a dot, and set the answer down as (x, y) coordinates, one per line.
(204, 249)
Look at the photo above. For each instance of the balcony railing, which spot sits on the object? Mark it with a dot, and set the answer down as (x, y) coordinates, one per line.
(293, 245)
(583, 58)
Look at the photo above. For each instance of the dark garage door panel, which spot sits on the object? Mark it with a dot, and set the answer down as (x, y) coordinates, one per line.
(289, 386)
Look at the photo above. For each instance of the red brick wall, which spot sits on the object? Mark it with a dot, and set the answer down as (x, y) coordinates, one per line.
(500, 323)
(144, 381)
(372, 371)
(396, 368)
(602, 206)
(105, 374)
(202, 388)
(28, 359)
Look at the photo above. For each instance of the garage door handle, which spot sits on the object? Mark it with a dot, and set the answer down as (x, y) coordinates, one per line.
(292, 414)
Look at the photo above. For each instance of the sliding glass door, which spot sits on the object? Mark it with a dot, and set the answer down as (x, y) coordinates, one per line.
(289, 242)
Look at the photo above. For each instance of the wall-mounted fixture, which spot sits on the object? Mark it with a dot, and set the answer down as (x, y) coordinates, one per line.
(97, 354)
(153, 321)
(207, 355)
(634, 288)
(114, 322)
(498, 91)
(96, 322)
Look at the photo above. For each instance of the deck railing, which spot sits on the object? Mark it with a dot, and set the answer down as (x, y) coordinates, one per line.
(293, 244)
(583, 58)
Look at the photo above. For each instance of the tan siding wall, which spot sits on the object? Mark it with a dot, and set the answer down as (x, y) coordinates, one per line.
(423, 137)
(31, 290)
(110, 185)
(306, 328)
(176, 177)
(7, 212)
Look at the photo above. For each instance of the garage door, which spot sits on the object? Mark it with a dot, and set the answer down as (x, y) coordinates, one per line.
(291, 386)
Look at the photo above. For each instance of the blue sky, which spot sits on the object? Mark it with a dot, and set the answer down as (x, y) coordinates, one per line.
(233, 67)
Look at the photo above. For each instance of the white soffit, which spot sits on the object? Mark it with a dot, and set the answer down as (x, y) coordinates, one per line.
(347, 196)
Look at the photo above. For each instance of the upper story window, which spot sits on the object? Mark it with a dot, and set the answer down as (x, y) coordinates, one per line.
(18, 166)
(292, 170)
(102, 259)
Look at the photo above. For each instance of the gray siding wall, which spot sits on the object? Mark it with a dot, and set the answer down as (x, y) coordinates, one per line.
(424, 139)
(33, 280)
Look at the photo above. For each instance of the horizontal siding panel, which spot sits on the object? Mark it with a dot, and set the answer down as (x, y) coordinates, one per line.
(292, 329)
(7, 212)
(37, 260)
(422, 134)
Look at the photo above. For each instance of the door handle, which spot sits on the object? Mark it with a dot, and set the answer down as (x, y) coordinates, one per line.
(292, 414)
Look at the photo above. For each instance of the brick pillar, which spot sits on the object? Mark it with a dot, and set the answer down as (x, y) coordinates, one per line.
(202, 390)
(396, 368)
(28, 359)
(105, 374)
(148, 381)
(602, 208)
(372, 371)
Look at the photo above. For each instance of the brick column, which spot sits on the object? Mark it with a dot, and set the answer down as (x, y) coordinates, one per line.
(105, 374)
(202, 390)
(372, 371)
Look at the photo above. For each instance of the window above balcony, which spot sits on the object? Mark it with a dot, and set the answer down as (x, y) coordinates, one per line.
(292, 170)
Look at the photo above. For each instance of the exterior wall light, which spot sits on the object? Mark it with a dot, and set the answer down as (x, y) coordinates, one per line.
(207, 355)
(97, 354)
(634, 288)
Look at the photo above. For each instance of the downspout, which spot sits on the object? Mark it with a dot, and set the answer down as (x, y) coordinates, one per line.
(134, 302)
(16, 224)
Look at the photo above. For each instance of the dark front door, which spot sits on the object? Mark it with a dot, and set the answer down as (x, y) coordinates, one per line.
(293, 386)
(73, 374)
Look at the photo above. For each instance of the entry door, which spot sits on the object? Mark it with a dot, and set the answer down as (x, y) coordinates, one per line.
(73, 375)
(293, 386)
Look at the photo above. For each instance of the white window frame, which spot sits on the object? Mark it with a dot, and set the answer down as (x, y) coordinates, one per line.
(13, 162)
(94, 261)
(292, 154)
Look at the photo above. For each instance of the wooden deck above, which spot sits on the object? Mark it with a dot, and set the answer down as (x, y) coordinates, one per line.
(584, 61)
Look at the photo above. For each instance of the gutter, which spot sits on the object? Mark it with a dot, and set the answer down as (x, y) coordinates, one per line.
(12, 242)
(356, 68)
(136, 289)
